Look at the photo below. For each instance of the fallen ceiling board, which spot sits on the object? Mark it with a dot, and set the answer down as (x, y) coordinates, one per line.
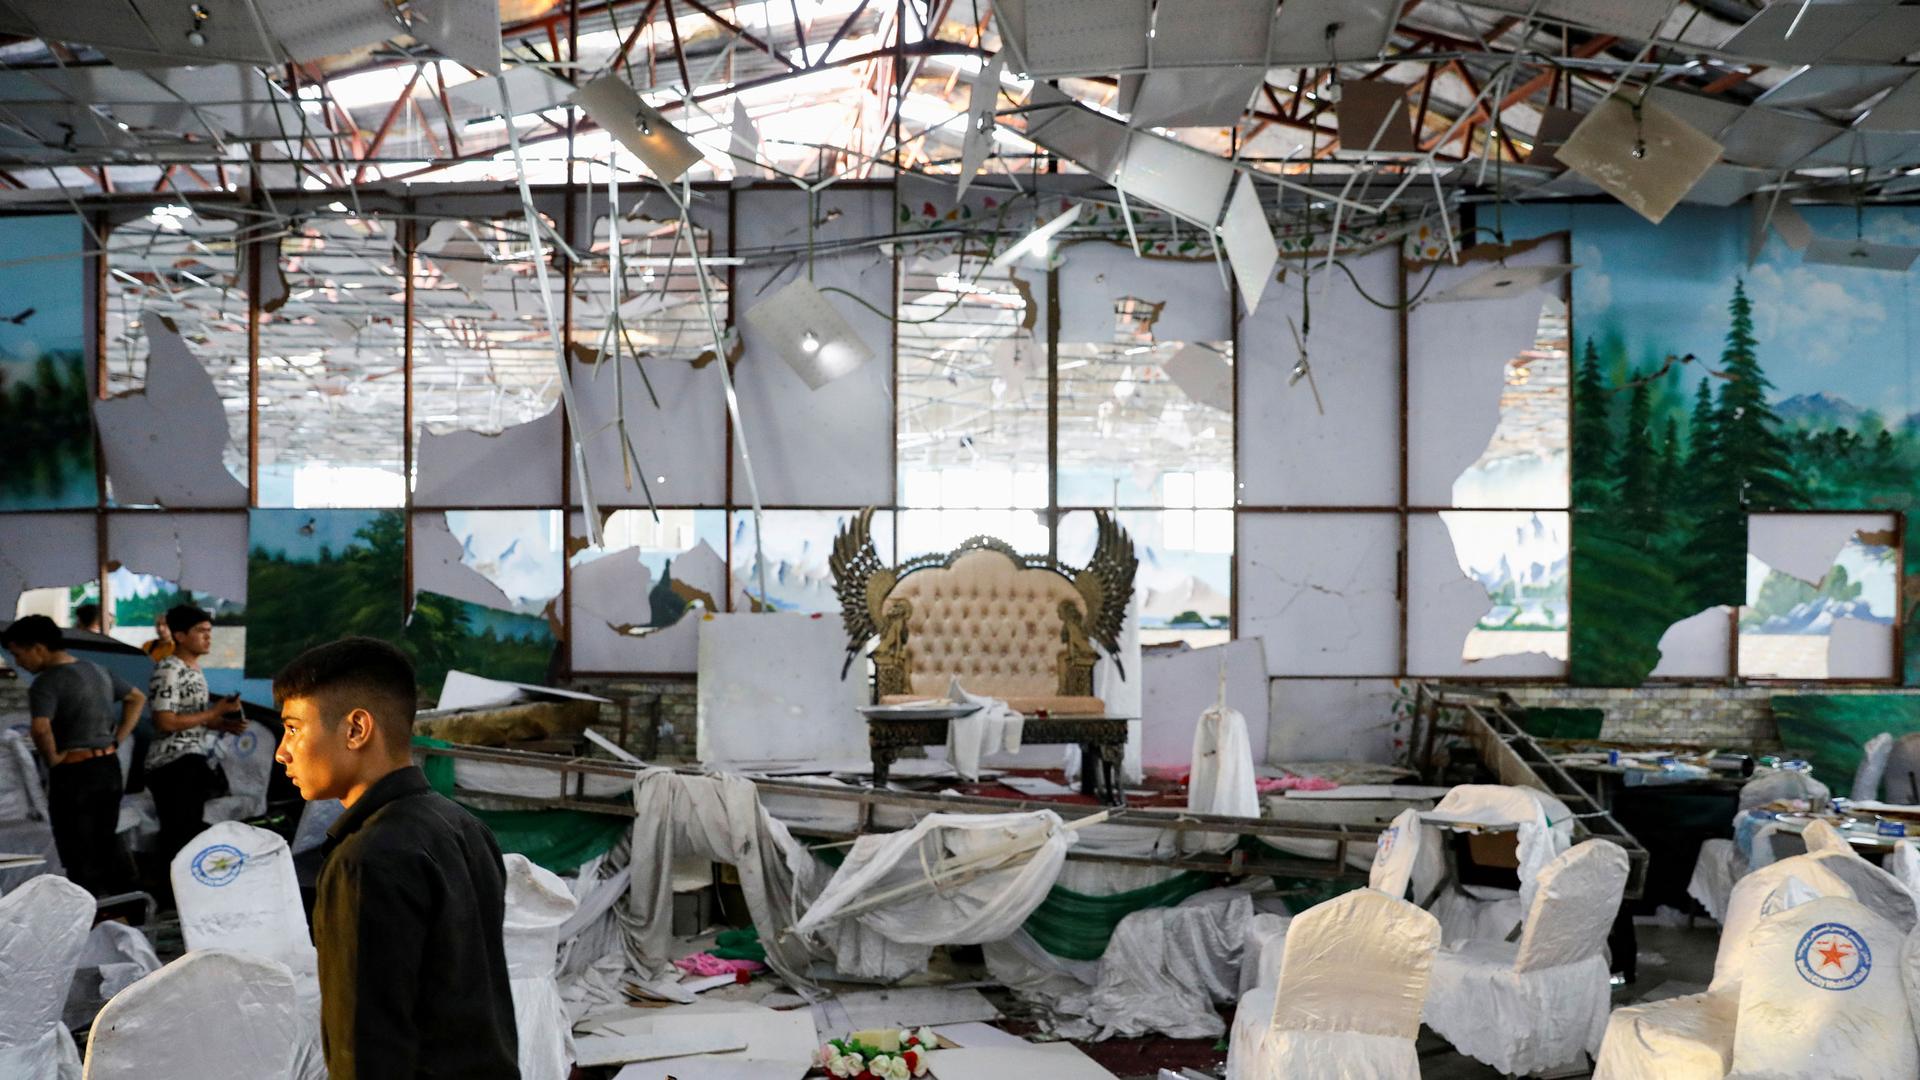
(594, 1050)
(1189, 97)
(1834, 87)
(202, 552)
(164, 442)
(1053, 1061)
(519, 466)
(770, 690)
(1071, 37)
(1672, 155)
(463, 30)
(975, 1034)
(1312, 31)
(1637, 19)
(1248, 240)
(1176, 178)
(1211, 32)
(867, 1010)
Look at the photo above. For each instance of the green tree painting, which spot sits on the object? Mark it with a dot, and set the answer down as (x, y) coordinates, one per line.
(314, 575)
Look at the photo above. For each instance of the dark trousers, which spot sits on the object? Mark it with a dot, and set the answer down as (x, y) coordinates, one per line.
(84, 801)
(181, 789)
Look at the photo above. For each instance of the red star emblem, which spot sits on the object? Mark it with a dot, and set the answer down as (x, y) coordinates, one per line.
(1833, 953)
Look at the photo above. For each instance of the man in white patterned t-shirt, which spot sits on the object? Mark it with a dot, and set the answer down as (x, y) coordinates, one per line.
(181, 771)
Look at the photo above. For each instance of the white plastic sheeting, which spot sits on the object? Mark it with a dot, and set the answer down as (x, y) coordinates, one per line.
(1222, 780)
(1682, 1038)
(1545, 827)
(1823, 997)
(1265, 947)
(24, 827)
(538, 903)
(43, 931)
(200, 1016)
(1873, 767)
(1166, 968)
(115, 957)
(1782, 786)
(1349, 998)
(237, 892)
(720, 818)
(1403, 856)
(1715, 871)
(995, 729)
(1542, 1002)
(969, 910)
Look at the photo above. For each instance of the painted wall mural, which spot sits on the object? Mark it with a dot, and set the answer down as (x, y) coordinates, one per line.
(43, 367)
(314, 575)
(1708, 388)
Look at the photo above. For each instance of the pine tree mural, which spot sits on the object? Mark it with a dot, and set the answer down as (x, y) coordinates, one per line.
(1672, 466)
(1592, 432)
(1753, 455)
(1635, 464)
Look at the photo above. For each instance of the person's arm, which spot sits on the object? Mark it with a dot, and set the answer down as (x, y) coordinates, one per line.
(167, 719)
(130, 707)
(371, 922)
(42, 702)
(42, 729)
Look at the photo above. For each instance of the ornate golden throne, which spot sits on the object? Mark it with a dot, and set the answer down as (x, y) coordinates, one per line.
(1021, 628)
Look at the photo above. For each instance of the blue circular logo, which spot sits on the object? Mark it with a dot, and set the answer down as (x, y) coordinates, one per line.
(1832, 956)
(1385, 845)
(244, 742)
(218, 865)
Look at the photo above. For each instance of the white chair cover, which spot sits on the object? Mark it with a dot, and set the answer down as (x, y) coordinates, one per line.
(236, 890)
(1545, 828)
(247, 759)
(1395, 855)
(1260, 957)
(1222, 780)
(1904, 865)
(209, 1013)
(1717, 868)
(43, 930)
(1743, 909)
(1823, 997)
(1540, 1003)
(1348, 1004)
(115, 957)
(1873, 766)
(1682, 1038)
(538, 903)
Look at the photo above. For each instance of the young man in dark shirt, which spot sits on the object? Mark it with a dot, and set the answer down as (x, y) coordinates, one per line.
(411, 898)
(80, 713)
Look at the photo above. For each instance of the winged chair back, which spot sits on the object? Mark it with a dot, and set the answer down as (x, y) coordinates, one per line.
(1018, 627)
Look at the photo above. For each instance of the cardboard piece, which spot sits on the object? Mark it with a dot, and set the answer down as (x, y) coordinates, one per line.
(770, 691)
(1203, 375)
(1500, 281)
(1248, 240)
(983, 100)
(1674, 158)
(463, 30)
(1374, 118)
(1861, 254)
(518, 466)
(639, 127)
(164, 442)
(809, 333)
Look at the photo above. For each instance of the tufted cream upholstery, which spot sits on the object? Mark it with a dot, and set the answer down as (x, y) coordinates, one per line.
(996, 626)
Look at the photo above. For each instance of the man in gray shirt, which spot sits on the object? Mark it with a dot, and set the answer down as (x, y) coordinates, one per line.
(80, 714)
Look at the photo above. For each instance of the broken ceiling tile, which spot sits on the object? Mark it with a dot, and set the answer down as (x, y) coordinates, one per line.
(1805, 546)
(1448, 610)
(1457, 357)
(1248, 240)
(983, 101)
(1860, 649)
(1501, 280)
(1697, 646)
(1646, 157)
(463, 30)
(1211, 33)
(639, 127)
(165, 442)
(1556, 124)
(1792, 227)
(1637, 19)
(1772, 139)
(1319, 590)
(1373, 118)
(743, 141)
(1078, 37)
(809, 333)
(438, 566)
(1057, 122)
(311, 30)
(1313, 32)
(1833, 86)
(460, 258)
(1038, 244)
(202, 552)
(1189, 97)
(1350, 456)
(531, 89)
(1872, 31)
(1176, 178)
(42, 551)
(1725, 185)
(1899, 111)
(520, 466)
(1861, 254)
(1203, 375)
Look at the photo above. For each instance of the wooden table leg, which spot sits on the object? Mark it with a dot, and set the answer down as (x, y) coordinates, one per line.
(882, 764)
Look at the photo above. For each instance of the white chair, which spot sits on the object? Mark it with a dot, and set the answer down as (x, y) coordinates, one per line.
(209, 1013)
(1904, 865)
(538, 902)
(1404, 856)
(1682, 1038)
(247, 759)
(43, 930)
(1545, 829)
(1347, 1006)
(1541, 1002)
(1723, 862)
(236, 890)
(1823, 997)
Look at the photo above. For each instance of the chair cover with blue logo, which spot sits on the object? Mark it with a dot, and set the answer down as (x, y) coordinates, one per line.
(43, 930)
(1539, 1003)
(1822, 997)
(1348, 1002)
(538, 902)
(208, 1014)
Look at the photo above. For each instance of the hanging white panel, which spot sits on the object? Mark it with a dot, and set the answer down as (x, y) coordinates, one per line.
(1291, 454)
(1319, 590)
(832, 446)
(1096, 276)
(202, 552)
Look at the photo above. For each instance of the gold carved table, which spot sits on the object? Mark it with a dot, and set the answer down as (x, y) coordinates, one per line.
(1102, 741)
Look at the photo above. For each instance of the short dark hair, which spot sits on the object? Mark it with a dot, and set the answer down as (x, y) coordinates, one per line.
(32, 630)
(184, 617)
(86, 613)
(375, 675)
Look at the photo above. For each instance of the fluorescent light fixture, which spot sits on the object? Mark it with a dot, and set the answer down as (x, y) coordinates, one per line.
(1035, 242)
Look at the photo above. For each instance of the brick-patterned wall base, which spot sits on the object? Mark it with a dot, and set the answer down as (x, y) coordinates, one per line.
(1723, 716)
(658, 715)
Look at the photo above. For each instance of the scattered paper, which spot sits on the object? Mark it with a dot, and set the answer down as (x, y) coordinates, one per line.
(1036, 786)
(899, 1008)
(638, 126)
(974, 1034)
(666, 1042)
(1672, 155)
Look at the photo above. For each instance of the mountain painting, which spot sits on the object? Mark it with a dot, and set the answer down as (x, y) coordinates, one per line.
(1707, 388)
(44, 396)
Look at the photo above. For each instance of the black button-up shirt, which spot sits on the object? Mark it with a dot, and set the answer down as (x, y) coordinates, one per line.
(407, 921)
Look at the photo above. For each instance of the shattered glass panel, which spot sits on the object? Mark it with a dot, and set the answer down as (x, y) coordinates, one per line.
(182, 266)
(332, 380)
(1842, 626)
(1185, 579)
(972, 378)
(797, 545)
(1526, 462)
(1125, 422)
